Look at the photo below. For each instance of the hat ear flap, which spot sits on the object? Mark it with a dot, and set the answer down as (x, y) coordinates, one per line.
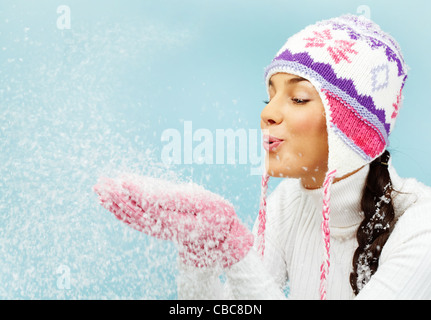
(358, 132)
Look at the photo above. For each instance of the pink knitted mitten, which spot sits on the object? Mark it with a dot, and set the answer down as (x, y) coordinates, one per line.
(202, 224)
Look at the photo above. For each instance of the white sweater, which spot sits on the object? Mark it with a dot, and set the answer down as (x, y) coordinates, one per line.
(293, 249)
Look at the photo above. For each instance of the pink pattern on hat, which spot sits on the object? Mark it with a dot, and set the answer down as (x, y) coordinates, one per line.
(338, 49)
(357, 128)
(397, 105)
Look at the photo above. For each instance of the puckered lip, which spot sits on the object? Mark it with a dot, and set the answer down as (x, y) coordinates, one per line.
(268, 138)
(271, 143)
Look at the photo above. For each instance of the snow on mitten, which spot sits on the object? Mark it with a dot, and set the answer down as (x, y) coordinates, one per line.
(202, 224)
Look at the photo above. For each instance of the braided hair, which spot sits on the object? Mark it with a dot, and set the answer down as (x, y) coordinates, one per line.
(379, 221)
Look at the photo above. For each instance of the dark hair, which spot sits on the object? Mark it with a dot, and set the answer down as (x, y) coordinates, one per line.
(379, 221)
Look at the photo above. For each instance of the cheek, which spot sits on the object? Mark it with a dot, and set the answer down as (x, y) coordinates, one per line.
(308, 126)
(309, 139)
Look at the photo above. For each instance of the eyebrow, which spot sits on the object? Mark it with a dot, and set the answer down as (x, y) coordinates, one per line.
(290, 81)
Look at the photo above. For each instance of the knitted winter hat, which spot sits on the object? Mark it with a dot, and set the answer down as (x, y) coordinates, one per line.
(359, 73)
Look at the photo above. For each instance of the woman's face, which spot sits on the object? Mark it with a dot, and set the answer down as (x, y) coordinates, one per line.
(295, 121)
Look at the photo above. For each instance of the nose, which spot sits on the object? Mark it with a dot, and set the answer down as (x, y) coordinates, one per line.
(271, 114)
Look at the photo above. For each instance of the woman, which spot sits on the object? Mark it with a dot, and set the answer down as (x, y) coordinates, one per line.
(343, 225)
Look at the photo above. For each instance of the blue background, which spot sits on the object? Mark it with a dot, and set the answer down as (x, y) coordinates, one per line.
(95, 99)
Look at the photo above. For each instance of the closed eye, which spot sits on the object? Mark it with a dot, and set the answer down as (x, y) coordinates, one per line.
(299, 101)
(295, 100)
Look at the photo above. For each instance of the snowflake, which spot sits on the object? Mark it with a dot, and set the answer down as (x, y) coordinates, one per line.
(338, 49)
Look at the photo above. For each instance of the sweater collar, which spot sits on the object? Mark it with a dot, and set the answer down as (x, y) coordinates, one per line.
(345, 202)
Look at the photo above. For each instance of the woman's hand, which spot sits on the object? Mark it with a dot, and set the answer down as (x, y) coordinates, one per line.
(202, 224)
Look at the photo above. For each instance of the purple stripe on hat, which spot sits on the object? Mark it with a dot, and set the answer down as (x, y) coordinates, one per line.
(326, 71)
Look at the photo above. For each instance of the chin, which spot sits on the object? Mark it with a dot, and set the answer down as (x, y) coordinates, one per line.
(285, 169)
(278, 172)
